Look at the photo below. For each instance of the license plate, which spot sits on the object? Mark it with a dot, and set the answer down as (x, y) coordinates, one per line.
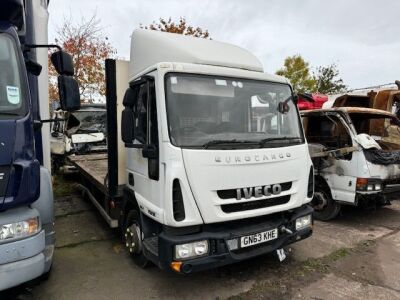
(258, 238)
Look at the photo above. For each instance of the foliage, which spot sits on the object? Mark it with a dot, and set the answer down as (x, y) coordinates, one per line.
(325, 80)
(297, 70)
(89, 47)
(180, 27)
(328, 80)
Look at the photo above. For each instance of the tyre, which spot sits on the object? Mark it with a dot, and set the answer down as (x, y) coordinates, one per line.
(325, 208)
(134, 238)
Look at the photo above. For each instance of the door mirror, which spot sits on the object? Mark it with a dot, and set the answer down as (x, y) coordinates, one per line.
(127, 126)
(33, 67)
(69, 93)
(62, 62)
(283, 107)
(150, 151)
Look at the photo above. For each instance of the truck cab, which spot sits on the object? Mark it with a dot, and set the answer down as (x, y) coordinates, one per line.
(26, 197)
(356, 157)
(216, 162)
(207, 162)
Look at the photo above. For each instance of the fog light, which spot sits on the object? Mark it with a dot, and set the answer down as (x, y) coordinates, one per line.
(303, 222)
(19, 229)
(191, 250)
(232, 244)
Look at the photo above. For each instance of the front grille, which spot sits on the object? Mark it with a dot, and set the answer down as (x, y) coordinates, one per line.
(242, 206)
(229, 194)
(4, 175)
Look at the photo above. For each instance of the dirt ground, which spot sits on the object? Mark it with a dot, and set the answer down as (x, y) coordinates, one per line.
(356, 256)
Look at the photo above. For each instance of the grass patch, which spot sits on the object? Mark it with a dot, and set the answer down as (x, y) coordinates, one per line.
(338, 254)
(314, 265)
(63, 186)
(282, 284)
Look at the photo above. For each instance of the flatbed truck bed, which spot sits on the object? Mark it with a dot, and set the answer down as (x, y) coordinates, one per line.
(93, 169)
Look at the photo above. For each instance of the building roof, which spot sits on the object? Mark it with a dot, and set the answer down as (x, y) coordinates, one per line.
(150, 47)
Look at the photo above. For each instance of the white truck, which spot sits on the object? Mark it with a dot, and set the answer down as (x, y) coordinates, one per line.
(356, 154)
(207, 161)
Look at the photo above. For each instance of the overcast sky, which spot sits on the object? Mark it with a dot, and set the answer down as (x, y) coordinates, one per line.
(361, 36)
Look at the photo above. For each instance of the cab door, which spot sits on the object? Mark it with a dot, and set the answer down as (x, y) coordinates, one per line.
(141, 138)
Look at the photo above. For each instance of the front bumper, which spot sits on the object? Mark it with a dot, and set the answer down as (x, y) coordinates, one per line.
(390, 191)
(26, 259)
(23, 260)
(218, 234)
(16, 273)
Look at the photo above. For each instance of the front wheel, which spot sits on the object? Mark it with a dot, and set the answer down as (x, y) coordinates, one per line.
(325, 208)
(134, 238)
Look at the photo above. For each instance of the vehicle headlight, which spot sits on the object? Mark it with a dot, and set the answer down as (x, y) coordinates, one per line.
(303, 222)
(191, 250)
(371, 184)
(19, 229)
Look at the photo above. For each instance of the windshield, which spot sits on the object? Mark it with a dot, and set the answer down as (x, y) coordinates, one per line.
(383, 129)
(374, 125)
(211, 110)
(11, 100)
(88, 121)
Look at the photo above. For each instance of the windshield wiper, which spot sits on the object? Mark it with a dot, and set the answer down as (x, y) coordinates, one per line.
(221, 142)
(281, 138)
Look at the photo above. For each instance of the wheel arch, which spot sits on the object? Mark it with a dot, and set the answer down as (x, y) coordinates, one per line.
(321, 182)
(129, 203)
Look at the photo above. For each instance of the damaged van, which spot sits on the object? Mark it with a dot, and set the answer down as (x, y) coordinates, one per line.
(356, 156)
(79, 132)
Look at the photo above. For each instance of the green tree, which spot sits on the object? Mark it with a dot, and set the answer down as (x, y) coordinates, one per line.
(180, 27)
(297, 70)
(328, 80)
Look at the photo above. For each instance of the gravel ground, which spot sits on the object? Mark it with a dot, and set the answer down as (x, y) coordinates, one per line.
(356, 256)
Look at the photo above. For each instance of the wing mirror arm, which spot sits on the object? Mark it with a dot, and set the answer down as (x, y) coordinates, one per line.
(150, 151)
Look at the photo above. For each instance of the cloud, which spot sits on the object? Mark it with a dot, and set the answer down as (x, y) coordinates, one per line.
(360, 36)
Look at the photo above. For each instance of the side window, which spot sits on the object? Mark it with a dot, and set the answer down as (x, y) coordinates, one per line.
(139, 123)
(327, 131)
(140, 114)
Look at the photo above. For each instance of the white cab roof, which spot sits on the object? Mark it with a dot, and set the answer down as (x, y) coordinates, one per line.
(149, 47)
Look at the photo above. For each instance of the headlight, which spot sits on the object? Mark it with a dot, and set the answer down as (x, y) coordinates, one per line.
(368, 184)
(303, 222)
(191, 250)
(19, 229)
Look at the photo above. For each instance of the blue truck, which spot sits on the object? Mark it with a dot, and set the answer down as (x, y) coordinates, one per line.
(27, 234)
